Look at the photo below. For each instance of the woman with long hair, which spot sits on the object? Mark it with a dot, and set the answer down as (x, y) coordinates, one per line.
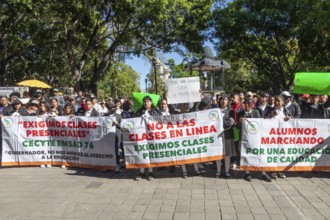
(147, 109)
(228, 136)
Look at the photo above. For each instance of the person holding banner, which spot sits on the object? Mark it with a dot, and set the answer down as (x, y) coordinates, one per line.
(55, 107)
(238, 109)
(228, 136)
(251, 112)
(116, 113)
(279, 111)
(43, 109)
(184, 108)
(18, 109)
(147, 110)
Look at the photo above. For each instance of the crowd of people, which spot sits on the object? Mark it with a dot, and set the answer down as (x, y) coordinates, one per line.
(235, 107)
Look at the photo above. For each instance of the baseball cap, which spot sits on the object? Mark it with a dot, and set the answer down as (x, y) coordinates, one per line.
(55, 90)
(34, 102)
(248, 94)
(286, 94)
(16, 102)
(38, 91)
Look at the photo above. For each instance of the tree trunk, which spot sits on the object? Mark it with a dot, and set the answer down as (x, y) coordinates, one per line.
(77, 79)
(2, 72)
(94, 87)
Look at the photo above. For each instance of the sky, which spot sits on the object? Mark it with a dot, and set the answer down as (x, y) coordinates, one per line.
(142, 66)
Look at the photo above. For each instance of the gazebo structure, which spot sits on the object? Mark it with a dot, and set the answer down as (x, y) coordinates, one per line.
(209, 64)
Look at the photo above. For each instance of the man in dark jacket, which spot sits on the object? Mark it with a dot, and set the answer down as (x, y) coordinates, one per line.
(263, 106)
(90, 111)
(292, 106)
(18, 109)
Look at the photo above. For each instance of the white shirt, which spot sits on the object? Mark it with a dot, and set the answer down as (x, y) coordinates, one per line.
(280, 113)
(88, 113)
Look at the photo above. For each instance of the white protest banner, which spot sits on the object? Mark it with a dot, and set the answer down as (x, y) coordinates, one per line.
(278, 145)
(172, 140)
(183, 90)
(86, 142)
(6, 91)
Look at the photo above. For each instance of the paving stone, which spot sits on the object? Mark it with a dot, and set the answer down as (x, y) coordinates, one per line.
(165, 215)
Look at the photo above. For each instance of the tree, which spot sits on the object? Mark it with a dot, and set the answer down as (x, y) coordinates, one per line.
(120, 80)
(268, 34)
(130, 27)
(13, 37)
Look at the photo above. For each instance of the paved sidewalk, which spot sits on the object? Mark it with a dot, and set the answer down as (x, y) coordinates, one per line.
(55, 193)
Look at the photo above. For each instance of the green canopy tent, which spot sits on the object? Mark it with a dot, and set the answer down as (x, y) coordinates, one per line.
(317, 83)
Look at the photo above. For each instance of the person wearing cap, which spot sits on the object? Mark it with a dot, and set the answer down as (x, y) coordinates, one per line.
(250, 112)
(214, 103)
(73, 102)
(18, 109)
(58, 97)
(263, 106)
(293, 107)
(33, 107)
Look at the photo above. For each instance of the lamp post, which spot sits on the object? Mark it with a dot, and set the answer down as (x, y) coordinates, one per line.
(154, 62)
(223, 75)
(146, 81)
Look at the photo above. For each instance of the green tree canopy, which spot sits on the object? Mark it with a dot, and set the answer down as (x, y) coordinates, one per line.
(271, 35)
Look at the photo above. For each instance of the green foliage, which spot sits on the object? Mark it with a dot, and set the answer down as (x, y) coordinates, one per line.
(272, 36)
(120, 80)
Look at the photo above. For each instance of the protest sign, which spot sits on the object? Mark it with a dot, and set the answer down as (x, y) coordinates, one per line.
(6, 91)
(138, 100)
(312, 83)
(86, 142)
(183, 90)
(278, 145)
(173, 139)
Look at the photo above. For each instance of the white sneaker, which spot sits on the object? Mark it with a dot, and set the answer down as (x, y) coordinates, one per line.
(49, 166)
(117, 169)
(42, 166)
(63, 167)
(233, 166)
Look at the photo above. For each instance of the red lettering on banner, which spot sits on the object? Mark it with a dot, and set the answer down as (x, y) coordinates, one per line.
(291, 140)
(293, 131)
(169, 125)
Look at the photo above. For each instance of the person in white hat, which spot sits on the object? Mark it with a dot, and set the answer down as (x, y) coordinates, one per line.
(293, 107)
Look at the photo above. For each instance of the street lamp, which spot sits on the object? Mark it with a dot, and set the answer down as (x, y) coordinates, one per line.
(154, 62)
(146, 81)
(223, 75)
